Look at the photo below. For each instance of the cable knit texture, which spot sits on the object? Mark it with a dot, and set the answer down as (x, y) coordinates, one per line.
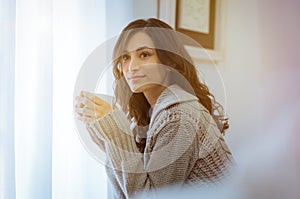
(183, 146)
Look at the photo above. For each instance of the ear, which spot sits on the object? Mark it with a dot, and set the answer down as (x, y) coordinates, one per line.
(119, 66)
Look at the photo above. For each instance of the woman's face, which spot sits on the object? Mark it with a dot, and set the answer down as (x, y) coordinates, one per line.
(140, 64)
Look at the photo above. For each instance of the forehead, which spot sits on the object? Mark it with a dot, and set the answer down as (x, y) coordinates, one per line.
(138, 40)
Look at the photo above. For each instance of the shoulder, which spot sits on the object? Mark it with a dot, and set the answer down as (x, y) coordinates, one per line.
(173, 100)
(176, 105)
(187, 113)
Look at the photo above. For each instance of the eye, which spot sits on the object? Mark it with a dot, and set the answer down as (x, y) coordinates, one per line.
(125, 57)
(145, 54)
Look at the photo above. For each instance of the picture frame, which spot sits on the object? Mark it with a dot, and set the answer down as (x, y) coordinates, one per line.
(167, 12)
(196, 19)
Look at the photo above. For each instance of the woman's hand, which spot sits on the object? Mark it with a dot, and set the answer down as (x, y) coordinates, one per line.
(89, 107)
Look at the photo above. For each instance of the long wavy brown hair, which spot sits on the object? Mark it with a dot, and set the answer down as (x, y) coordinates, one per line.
(176, 56)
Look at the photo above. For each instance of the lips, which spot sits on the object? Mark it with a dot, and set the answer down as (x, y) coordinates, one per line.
(136, 77)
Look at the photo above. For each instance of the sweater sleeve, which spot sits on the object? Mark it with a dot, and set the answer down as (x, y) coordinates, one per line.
(169, 156)
(215, 162)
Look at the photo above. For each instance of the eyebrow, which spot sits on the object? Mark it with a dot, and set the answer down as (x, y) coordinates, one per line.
(139, 49)
(144, 47)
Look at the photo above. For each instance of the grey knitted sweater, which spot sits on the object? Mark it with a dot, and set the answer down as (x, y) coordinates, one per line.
(183, 146)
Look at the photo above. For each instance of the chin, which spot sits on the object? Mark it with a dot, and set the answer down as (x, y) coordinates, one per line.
(144, 87)
(136, 91)
(138, 88)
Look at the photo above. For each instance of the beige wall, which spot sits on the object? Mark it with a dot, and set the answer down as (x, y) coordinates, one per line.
(260, 66)
(241, 71)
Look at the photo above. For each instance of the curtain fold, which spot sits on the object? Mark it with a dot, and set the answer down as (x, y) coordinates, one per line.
(7, 71)
(79, 27)
(33, 99)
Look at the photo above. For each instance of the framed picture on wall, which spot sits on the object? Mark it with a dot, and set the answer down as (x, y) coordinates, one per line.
(202, 20)
(196, 18)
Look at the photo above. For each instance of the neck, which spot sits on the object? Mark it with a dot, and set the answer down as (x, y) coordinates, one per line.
(153, 94)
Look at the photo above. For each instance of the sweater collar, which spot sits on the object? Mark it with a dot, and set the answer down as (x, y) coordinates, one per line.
(173, 94)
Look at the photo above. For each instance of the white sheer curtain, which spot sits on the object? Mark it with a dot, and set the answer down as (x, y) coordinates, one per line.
(33, 91)
(43, 44)
(79, 27)
(7, 46)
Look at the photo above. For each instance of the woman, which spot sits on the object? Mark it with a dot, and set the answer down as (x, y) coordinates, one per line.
(165, 131)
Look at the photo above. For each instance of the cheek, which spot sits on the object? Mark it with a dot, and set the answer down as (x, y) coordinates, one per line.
(124, 68)
(127, 81)
(156, 75)
(158, 71)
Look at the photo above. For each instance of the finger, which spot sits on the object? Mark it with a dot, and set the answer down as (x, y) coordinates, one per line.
(83, 116)
(86, 112)
(97, 100)
(94, 103)
(102, 110)
(88, 103)
(89, 113)
(78, 114)
(85, 102)
(86, 120)
(77, 98)
(78, 102)
(79, 105)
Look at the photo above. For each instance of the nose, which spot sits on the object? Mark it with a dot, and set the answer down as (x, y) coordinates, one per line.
(133, 64)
